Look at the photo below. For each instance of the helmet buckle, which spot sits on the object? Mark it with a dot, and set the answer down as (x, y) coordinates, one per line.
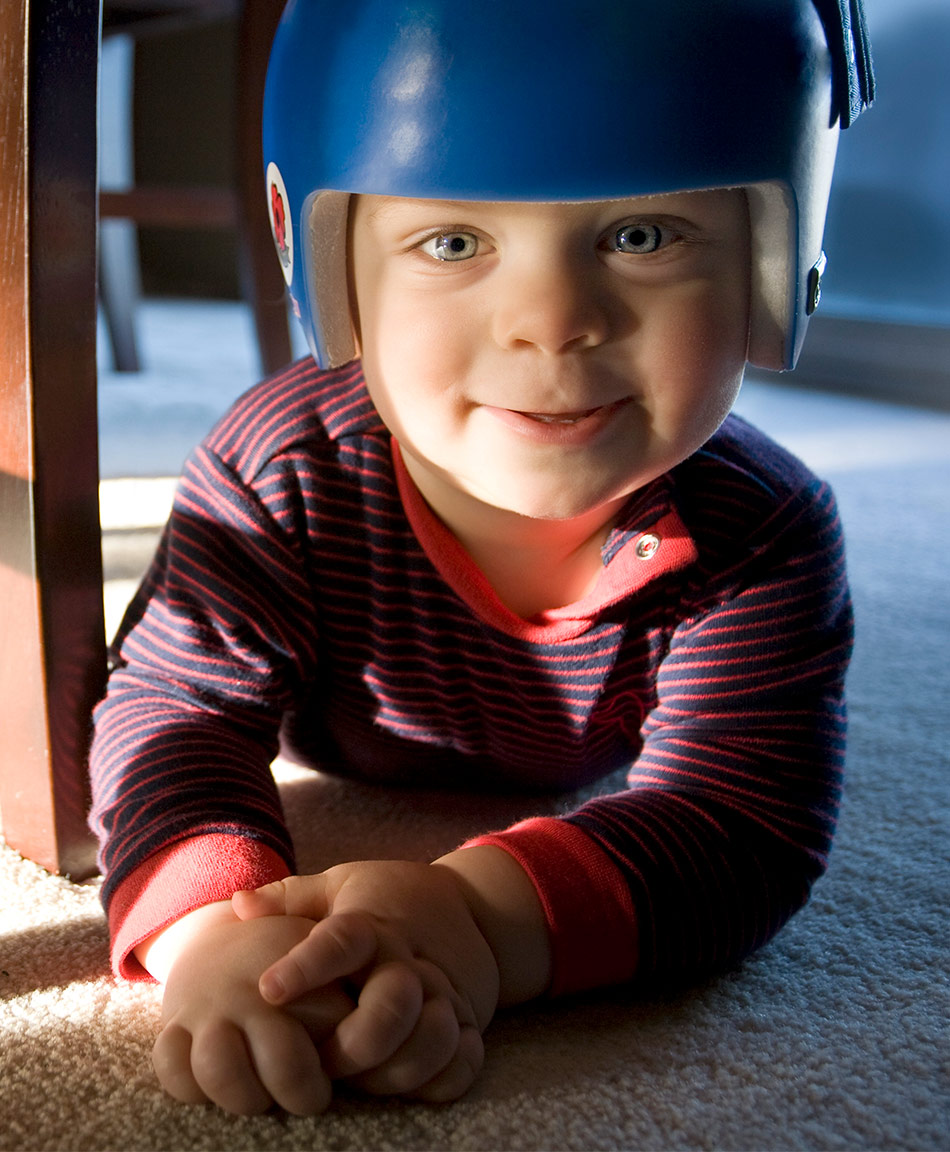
(813, 291)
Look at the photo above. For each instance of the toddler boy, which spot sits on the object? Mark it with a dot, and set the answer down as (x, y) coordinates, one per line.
(499, 532)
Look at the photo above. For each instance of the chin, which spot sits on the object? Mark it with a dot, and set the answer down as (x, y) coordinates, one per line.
(562, 506)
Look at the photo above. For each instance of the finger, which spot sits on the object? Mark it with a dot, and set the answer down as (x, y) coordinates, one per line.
(223, 1070)
(322, 1011)
(338, 946)
(292, 896)
(388, 1011)
(456, 1079)
(287, 1065)
(171, 1059)
(427, 1052)
(249, 904)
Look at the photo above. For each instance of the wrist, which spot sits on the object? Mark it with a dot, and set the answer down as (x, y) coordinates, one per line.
(159, 951)
(506, 908)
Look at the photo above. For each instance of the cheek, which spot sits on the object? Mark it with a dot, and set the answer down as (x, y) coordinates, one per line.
(700, 364)
(409, 381)
(417, 335)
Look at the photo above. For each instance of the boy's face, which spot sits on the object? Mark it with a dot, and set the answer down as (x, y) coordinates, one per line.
(549, 359)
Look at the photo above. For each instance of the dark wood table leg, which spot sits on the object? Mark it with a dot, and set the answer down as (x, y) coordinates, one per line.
(52, 660)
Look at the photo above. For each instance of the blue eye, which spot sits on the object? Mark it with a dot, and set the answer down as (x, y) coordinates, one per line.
(452, 246)
(638, 239)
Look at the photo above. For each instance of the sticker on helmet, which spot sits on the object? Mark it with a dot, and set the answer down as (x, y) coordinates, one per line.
(278, 209)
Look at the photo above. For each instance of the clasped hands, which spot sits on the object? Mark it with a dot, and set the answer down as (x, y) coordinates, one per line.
(383, 974)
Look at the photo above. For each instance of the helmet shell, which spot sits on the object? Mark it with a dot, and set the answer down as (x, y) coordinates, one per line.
(529, 100)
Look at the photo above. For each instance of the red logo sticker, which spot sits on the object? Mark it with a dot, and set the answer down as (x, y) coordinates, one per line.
(278, 210)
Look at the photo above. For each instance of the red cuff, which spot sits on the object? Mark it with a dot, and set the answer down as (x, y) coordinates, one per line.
(178, 879)
(586, 901)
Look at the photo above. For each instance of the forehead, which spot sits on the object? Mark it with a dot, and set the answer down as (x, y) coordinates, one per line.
(706, 207)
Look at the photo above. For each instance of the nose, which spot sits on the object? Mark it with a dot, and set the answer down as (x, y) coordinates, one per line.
(552, 305)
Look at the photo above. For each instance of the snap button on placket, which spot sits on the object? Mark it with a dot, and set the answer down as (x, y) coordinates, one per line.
(647, 546)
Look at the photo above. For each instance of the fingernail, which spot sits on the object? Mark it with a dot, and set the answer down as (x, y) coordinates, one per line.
(271, 987)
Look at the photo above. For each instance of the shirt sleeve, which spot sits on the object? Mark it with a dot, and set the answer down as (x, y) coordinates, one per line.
(177, 879)
(585, 898)
(731, 804)
(207, 660)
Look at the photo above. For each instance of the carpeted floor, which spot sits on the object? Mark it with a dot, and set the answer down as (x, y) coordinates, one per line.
(833, 1037)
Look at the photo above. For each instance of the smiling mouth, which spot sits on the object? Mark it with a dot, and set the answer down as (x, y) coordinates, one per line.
(603, 410)
(560, 417)
(564, 429)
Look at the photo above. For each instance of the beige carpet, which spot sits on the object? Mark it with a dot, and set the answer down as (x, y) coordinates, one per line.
(833, 1037)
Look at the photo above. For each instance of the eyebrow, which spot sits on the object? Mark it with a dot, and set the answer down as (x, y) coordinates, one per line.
(390, 205)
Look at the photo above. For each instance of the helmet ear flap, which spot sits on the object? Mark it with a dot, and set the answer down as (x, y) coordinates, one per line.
(324, 223)
(787, 221)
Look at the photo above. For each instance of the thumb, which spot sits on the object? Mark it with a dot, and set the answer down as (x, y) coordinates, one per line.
(292, 896)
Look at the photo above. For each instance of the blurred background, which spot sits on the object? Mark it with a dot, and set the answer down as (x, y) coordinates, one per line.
(888, 235)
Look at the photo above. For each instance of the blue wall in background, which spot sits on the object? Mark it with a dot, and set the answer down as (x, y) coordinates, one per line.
(888, 234)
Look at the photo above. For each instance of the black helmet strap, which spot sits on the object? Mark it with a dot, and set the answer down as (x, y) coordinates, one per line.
(853, 74)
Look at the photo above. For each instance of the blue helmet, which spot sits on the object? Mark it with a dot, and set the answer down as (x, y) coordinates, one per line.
(572, 100)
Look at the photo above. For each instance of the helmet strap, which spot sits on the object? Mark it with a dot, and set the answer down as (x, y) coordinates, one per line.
(852, 71)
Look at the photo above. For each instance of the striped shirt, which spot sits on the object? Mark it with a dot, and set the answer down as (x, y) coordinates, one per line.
(303, 592)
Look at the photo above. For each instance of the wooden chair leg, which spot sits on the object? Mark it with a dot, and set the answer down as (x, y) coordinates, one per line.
(264, 283)
(52, 660)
